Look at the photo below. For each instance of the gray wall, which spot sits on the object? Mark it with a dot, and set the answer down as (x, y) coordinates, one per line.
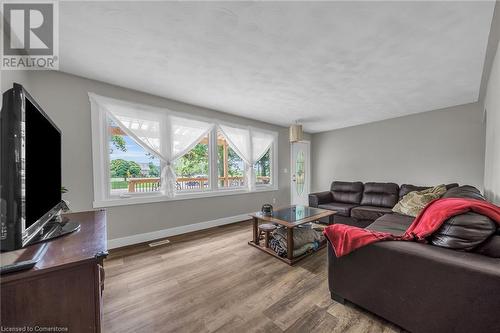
(64, 98)
(490, 97)
(491, 50)
(423, 149)
(7, 78)
(492, 154)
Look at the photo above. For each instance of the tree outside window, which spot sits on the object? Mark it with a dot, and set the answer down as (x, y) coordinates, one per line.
(263, 169)
(131, 168)
(192, 168)
(230, 166)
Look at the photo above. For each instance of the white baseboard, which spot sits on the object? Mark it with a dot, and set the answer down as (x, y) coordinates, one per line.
(149, 236)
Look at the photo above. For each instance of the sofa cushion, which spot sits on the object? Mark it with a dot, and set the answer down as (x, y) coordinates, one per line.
(339, 219)
(465, 191)
(490, 247)
(395, 224)
(380, 194)
(341, 208)
(407, 188)
(320, 198)
(451, 185)
(464, 231)
(413, 203)
(369, 212)
(347, 192)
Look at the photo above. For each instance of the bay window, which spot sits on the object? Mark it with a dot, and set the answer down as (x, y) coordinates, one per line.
(131, 168)
(192, 168)
(263, 169)
(145, 154)
(230, 166)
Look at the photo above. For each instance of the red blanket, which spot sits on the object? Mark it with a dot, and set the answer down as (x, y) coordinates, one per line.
(346, 239)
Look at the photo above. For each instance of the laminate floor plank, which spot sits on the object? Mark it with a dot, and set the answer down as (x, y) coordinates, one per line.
(213, 281)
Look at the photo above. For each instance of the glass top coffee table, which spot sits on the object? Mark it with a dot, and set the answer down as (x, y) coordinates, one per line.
(289, 217)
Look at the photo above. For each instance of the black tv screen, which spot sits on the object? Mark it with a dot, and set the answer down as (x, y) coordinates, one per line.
(30, 169)
(42, 165)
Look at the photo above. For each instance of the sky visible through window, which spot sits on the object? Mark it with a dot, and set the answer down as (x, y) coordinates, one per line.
(129, 161)
(134, 152)
(131, 166)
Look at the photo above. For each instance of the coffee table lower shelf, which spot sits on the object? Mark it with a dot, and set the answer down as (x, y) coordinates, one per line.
(285, 260)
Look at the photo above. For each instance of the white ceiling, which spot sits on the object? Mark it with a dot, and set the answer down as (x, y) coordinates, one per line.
(327, 64)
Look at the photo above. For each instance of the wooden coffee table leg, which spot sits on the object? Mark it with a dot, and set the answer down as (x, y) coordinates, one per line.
(256, 231)
(289, 240)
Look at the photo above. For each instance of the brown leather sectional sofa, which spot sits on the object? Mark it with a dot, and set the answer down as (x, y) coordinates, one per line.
(360, 204)
(451, 284)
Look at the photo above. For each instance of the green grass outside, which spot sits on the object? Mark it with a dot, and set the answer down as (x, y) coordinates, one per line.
(118, 183)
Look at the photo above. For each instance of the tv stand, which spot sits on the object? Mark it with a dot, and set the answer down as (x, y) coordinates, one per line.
(65, 287)
(57, 227)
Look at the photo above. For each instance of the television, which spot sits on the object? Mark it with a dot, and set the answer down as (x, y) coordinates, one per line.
(30, 169)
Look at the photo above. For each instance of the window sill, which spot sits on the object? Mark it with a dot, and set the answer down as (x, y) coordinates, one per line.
(146, 199)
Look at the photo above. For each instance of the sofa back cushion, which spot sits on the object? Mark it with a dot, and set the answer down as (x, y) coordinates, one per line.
(469, 231)
(347, 192)
(490, 247)
(380, 194)
(414, 202)
(407, 188)
(465, 191)
(464, 231)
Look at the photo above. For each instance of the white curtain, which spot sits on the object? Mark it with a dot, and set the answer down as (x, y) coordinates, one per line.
(239, 141)
(250, 144)
(261, 142)
(186, 133)
(157, 131)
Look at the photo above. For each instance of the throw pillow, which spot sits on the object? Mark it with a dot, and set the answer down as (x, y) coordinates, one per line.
(413, 203)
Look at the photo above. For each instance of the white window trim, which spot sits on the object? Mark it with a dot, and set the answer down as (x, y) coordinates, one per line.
(100, 161)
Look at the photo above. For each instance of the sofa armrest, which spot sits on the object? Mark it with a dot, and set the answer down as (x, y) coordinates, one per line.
(320, 198)
(435, 285)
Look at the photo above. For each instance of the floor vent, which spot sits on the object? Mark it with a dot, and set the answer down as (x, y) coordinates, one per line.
(159, 243)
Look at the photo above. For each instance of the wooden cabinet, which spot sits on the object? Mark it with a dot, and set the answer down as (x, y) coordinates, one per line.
(64, 290)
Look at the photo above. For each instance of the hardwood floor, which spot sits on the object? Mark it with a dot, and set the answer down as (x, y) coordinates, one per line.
(213, 281)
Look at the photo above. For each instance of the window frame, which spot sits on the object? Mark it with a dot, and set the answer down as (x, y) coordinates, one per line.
(272, 169)
(107, 172)
(101, 173)
(209, 188)
(216, 163)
